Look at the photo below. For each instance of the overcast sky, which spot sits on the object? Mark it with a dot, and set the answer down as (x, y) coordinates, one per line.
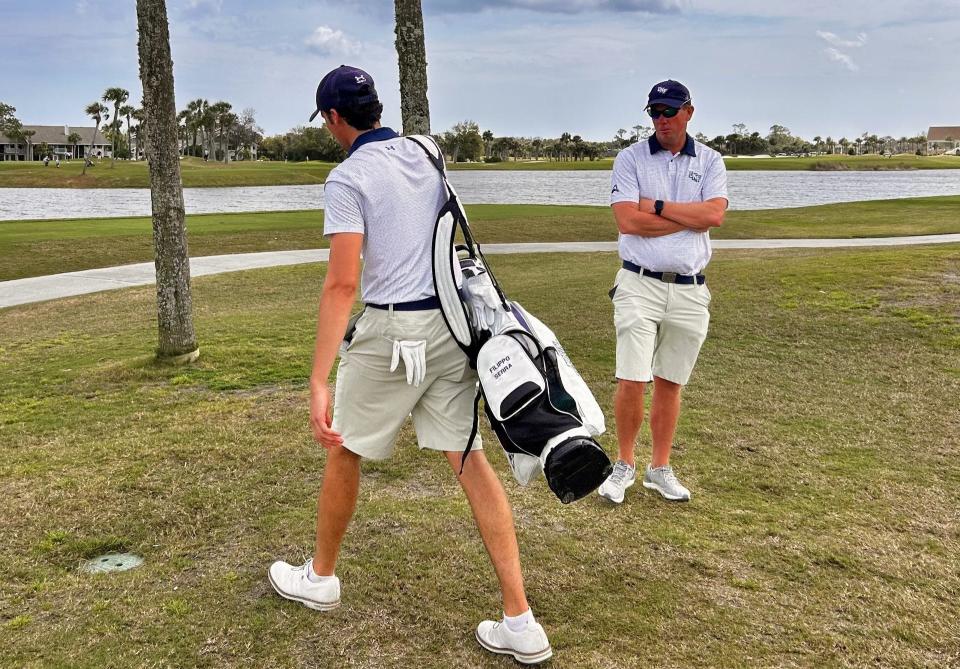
(516, 67)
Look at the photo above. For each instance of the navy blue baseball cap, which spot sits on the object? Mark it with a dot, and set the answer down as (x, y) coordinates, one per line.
(343, 88)
(671, 93)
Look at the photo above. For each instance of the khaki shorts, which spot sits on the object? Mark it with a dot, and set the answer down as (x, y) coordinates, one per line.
(660, 327)
(371, 402)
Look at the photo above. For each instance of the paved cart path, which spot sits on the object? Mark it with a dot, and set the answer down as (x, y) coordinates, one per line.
(41, 288)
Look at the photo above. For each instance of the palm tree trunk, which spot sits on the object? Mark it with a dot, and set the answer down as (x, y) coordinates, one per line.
(113, 140)
(412, 56)
(177, 339)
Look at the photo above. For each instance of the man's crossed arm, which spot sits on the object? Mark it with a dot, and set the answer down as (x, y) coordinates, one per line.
(641, 218)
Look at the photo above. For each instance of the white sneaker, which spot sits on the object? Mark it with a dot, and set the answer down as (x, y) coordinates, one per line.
(622, 477)
(292, 583)
(663, 480)
(530, 646)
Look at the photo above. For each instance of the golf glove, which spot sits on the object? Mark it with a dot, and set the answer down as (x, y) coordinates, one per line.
(486, 309)
(414, 355)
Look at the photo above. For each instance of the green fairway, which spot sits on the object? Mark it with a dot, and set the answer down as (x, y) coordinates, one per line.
(197, 173)
(819, 439)
(36, 248)
(817, 163)
(832, 163)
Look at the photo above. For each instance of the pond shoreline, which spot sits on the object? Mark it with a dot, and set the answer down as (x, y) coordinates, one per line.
(759, 190)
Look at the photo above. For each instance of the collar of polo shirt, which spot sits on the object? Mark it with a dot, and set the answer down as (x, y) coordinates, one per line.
(375, 135)
(688, 146)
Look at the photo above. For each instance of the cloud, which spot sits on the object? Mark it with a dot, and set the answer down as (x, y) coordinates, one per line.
(328, 42)
(542, 6)
(201, 8)
(835, 54)
(840, 57)
(830, 38)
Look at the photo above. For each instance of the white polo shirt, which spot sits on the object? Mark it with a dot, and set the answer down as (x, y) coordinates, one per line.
(389, 191)
(646, 169)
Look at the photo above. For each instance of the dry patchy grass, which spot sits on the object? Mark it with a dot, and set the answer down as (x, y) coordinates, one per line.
(819, 438)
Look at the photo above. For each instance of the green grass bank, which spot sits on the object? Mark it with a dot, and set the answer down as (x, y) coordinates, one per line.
(819, 437)
(36, 248)
(199, 174)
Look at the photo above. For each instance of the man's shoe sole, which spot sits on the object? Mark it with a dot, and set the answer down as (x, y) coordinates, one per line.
(522, 658)
(616, 501)
(673, 498)
(309, 603)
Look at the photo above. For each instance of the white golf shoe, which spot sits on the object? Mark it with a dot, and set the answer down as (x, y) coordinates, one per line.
(664, 481)
(291, 582)
(622, 477)
(529, 646)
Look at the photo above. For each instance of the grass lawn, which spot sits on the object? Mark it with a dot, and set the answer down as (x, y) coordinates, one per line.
(194, 171)
(819, 438)
(903, 161)
(197, 173)
(35, 248)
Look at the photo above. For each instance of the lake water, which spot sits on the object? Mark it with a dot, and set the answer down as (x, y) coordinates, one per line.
(748, 190)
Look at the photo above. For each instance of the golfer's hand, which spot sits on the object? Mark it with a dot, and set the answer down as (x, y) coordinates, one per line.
(321, 418)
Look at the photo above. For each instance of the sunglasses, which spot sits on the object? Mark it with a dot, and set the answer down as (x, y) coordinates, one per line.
(669, 112)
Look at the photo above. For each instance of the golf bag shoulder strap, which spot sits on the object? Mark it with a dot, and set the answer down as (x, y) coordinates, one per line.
(432, 149)
(447, 277)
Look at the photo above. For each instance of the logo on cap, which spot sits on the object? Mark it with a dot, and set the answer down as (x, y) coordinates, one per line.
(661, 89)
(362, 79)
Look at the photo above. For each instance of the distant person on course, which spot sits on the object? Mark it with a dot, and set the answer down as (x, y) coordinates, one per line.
(381, 204)
(667, 192)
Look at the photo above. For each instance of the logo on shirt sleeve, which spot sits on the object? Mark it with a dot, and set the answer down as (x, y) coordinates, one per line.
(615, 189)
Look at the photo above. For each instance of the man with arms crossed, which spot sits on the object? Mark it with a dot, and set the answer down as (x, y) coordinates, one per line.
(668, 191)
(382, 202)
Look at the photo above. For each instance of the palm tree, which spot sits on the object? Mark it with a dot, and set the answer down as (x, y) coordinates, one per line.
(117, 96)
(74, 138)
(222, 120)
(412, 57)
(194, 112)
(177, 338)
(96, 111)
(183, 130)
(140, 130)
(487, 140)
(127, 111)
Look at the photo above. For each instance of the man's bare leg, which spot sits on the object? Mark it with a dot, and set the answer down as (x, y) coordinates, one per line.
(335, 505)
(494, 519)
(628, 411)
(664, 413)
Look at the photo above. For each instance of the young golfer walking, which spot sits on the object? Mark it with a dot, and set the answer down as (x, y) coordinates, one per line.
(667, 192)
(382, 202)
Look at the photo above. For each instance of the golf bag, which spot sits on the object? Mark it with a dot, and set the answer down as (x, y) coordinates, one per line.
(541, 410)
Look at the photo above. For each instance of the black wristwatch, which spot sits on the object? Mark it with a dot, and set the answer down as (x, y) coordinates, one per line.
(658, 207)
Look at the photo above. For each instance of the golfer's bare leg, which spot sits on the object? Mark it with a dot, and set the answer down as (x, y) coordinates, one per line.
(664, 412)
(494, 519)
(335, 505)
(628, 411)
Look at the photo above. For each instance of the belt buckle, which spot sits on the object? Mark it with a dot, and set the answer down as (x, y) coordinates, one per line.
(668, 277)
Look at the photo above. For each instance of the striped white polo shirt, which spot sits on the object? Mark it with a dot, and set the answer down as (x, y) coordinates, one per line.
(646, 169)
(388, 190)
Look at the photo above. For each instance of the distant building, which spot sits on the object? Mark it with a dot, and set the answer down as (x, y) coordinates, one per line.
(55, 136)
(943, 139)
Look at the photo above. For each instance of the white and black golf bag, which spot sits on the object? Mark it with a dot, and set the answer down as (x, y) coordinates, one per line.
(538, 405)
